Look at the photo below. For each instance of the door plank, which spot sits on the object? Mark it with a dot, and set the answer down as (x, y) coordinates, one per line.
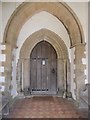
(39, 81)
(33, 74)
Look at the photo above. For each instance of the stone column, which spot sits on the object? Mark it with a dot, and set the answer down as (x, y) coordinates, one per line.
(65, 77)
(79, 69)
(19, 76)
(68, 76)
(26, 73)
(60, 76)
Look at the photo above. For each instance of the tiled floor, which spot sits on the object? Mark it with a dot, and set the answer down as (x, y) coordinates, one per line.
(44, 107)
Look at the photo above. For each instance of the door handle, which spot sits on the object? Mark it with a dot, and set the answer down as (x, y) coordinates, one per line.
(53, 71)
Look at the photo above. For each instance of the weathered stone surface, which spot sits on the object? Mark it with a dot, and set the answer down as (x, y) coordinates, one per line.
(79, 69)
(73, 27)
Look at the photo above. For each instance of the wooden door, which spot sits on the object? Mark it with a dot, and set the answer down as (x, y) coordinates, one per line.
(43, 73)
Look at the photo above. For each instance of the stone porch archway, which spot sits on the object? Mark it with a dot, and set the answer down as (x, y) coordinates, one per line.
(26, 10)
(69, 20)
(62, 60)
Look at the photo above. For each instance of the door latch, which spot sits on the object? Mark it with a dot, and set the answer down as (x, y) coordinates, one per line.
(53, 71)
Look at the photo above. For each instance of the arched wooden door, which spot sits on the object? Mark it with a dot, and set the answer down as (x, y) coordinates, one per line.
(43, 69)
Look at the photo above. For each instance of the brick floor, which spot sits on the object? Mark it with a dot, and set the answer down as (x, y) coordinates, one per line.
(44, 107)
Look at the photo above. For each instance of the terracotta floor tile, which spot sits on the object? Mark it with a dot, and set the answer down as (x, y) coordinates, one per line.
(44, 107)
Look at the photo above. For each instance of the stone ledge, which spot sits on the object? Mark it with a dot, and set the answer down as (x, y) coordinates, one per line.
(84, 98)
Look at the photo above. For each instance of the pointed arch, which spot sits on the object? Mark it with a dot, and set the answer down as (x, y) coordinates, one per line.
(60, 10)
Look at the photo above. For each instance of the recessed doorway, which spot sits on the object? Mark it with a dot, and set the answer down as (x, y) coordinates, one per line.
(43, 72)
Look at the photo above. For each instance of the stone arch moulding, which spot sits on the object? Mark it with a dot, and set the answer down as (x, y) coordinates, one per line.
(27, 10)
(47, 35)
(58, 45)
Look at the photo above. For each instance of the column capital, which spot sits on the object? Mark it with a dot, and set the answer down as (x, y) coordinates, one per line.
(78, 44)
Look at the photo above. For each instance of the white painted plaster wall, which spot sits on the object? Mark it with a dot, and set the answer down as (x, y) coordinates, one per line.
(2, 57)
(2, 79)
(45, 0)
(1, 69)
